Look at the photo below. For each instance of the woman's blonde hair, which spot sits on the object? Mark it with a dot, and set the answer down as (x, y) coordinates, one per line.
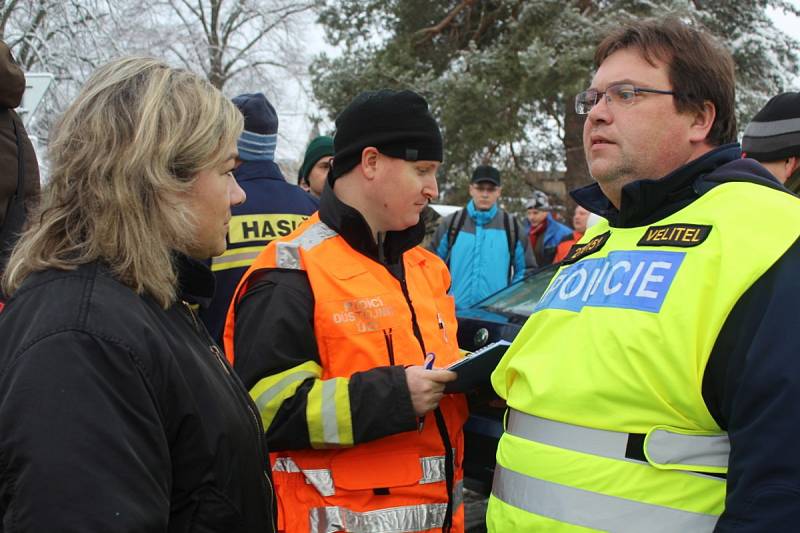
(123, 158)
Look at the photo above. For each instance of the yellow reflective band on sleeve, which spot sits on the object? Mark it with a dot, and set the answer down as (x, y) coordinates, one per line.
(236, 258)
(262, 227)
(270, 392)
(330, 424)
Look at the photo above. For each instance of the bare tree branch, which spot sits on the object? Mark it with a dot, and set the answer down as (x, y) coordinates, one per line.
(234, 72)
(431, 31)
(7, 9)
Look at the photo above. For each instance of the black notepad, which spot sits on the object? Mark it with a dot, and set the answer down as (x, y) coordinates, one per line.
(476, 367)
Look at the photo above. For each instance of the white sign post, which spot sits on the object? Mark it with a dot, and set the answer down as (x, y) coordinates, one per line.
(36, 86)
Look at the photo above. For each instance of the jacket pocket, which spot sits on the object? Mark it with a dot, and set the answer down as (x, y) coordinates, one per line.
(215, 512)
(375, 470)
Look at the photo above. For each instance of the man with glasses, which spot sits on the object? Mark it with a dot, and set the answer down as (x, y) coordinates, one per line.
(485, 247)
(655, 387)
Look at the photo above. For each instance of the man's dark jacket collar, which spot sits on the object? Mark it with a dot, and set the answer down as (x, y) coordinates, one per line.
(351, 225)
(647, 201)
(250, 170)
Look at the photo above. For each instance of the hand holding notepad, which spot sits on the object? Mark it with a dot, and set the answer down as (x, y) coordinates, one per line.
(475, 368)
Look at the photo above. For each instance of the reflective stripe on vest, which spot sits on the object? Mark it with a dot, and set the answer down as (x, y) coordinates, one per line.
(287, 253)
(666, 447)
(235, 258)
(620, 341)
(270, 392)
(357, 300)
(328, 413)
(432, 469)
(662, 446)
(590, 509)
(458, 495)
(321, 478)
(395, 519)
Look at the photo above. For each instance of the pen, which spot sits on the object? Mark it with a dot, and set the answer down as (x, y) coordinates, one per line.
(430, 357)
(440, 320)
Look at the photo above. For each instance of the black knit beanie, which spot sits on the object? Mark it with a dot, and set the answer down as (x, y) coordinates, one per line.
(774, 133)
(397, 123)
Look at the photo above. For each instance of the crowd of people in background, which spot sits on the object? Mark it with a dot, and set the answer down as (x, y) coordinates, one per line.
(181, 306)
(484, 246)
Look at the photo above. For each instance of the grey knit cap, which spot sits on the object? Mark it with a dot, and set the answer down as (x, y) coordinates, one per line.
(774, 133)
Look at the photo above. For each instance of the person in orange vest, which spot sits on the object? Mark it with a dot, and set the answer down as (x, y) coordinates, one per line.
(580, 219)
(335, 328)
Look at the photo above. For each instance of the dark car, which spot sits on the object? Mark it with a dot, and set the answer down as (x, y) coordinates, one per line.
(498, 317)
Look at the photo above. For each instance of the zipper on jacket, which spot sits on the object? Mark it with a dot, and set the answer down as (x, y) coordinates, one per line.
(218, 355)
(189, 309)
(449, 457)
(220, 358)
(387, 336)
(414, 325)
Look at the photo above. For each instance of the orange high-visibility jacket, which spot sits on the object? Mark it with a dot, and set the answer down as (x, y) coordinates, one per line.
(397, 482)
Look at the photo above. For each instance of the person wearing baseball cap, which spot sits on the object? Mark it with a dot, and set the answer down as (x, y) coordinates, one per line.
(773, 139)
(333, 326)
(483, 245)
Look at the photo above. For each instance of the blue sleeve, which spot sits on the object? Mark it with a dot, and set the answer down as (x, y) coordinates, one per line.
(519, 262)
(752, 388)
(565, 233)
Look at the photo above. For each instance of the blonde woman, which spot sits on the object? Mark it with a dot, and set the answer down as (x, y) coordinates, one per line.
(117, 410)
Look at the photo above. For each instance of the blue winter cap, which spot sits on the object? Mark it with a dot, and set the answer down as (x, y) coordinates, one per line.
(260, 135)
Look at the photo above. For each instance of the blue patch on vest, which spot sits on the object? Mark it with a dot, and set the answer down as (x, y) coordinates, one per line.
(625, 279)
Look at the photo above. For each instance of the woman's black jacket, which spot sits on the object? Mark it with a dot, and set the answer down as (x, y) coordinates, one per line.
(118, 415)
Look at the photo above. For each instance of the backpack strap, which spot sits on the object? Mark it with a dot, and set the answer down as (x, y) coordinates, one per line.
(512, 233)
(15, 213)
(452, 233)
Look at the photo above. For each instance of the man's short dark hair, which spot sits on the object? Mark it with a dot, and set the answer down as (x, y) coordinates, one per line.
(699, 68)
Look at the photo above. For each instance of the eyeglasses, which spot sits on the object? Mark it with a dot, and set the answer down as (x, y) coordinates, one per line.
(623, 94)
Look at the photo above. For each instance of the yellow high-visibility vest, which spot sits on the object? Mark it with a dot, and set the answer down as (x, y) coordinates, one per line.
(607, 426)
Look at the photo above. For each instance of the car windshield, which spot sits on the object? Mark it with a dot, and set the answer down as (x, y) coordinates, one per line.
(520, 298)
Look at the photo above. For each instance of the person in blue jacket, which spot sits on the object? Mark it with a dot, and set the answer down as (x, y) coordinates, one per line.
(274, 207)
(485, 247)
(545, 233)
